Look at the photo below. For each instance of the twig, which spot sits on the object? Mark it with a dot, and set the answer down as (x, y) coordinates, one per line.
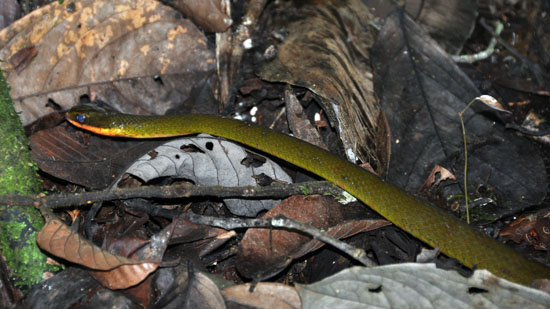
(487, 52)
(282, 223)
(169, 192)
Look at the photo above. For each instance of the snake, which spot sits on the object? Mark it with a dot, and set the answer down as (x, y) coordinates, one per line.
(430, 224)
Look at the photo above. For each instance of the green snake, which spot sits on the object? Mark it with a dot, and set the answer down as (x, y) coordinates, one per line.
(424, 221)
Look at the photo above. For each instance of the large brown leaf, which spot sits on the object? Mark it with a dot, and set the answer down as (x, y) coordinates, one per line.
(124, 52)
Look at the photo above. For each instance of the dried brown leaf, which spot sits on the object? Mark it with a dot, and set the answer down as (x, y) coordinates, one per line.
(21, 59)
(298, 123)
(129, 275)
(207, 14)
(343, 230)
(265, 252)
(59, 240)
(492, 103)
(109, 50)
(264, 295)
(124, 276)
(438, 174)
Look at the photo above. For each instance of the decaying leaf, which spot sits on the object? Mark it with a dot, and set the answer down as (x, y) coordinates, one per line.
(192, 289)
(9, 11)
(449, 22)
(326, 51)
(533, 229)
(129, 53)
(263, 295)
(264, 252)
(492, 103)
(89, 161)
(298, 123)
(209, 161)
(205, 13)
(438, 174)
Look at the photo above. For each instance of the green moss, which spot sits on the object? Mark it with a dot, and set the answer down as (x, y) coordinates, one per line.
(18, 225)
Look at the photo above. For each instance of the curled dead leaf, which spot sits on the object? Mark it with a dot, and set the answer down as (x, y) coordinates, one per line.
(59, 240)
(207, 14)
(492, 103)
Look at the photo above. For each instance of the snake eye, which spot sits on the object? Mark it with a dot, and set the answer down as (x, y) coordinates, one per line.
(80, 118)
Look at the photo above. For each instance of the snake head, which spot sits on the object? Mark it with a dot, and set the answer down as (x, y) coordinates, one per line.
(92, 117)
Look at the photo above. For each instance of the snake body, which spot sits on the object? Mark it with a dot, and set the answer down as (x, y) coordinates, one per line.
(424, 221)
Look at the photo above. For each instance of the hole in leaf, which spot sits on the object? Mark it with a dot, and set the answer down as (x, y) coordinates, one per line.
(377, 289)
(191, 148)
(158, 79)
(53, 105)
(474, 290)
(253, 160)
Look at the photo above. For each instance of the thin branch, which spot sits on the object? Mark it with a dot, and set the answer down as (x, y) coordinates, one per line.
(283, 223)
(276, 190)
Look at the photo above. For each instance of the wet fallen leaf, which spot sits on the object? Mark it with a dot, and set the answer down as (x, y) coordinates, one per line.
(342, 230)
(264, 252)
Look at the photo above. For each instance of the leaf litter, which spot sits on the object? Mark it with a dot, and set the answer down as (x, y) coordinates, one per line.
(125, 90)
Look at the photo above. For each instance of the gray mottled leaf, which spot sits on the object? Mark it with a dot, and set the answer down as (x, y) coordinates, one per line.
(414, 285)
(214, 162)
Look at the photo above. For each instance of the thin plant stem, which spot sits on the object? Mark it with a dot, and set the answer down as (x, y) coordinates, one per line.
(465, 160)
